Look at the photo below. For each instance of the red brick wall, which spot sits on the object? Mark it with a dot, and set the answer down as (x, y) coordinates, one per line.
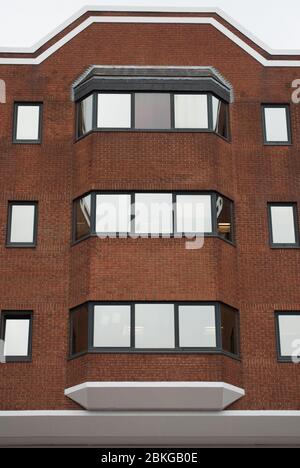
(57, 276)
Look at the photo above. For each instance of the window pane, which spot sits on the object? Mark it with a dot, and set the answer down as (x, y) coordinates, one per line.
(112, 326)
(79, 330)
(224, 218)
(220, 119)
(193, 213)
(16, 337)
(85, 115)
(229, 320)
(197, 326)
(154, 326)
(113, 213)
(283, 227)
(276, 124)
(83, 217)
(153, 213)
(28, 122)
(191, 111)
(152, 110)
(289, 330)
(114, 111)
(22, 224)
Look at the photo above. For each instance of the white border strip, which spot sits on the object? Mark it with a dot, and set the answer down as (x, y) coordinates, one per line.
(151, 428)
(147, 20)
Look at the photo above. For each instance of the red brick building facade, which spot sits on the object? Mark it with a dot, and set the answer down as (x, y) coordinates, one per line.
(46, 280)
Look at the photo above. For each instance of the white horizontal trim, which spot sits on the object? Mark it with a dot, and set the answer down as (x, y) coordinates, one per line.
(156, 428)
(145, 20)
(208, 396)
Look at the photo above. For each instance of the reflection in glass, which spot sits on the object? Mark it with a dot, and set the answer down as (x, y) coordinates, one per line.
(111, 326)
(283, 224)
(28, 120)
(79, 330)
(16, 337)
(191, 111)
(197, 326)
(114, 110)
(85, 115)
(82, 217)
(152, 110)
(154, 326)
(276, 124)
(229, 324)
(289, 331)
(22, 224)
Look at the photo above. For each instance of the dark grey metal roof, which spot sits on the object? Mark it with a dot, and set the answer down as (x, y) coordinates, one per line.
(151, 78)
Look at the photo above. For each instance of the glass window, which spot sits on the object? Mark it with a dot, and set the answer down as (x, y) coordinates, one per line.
(193, 214)
(113, 213)
(230, 329)
(283, 224)
(16, 336)
(114, 111)
(82, 217)
(152, 110)
(27, 122)
(154, 326)
(22, 223)
(276, 124)
(220, 117)
(197, 326)
(289, 334)
(191, 111)
(112, 326)
(85, 115)
(153, 213)
(224, 218)
(79, 330)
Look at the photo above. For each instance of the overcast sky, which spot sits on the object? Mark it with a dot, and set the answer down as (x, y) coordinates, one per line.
(275, 22)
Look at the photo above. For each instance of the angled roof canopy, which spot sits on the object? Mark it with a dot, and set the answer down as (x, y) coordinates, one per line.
(94, 14)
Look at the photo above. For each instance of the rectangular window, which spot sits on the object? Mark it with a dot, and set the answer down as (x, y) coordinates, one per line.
(146, 326)
(113, 214)
(220, 117)
(283, 224)
(112, 324)
(191, 111)
(276, 124)
(197, 326)
(16, 334)
(229, 329)
(114, 111)
(22, 224)
(79, 330)
(27, 122)
(288, 333)
(85, 116)
(193, 214)
(153, 213)
(224, 208)
(154, 326)
(82, 215)
(152, 110)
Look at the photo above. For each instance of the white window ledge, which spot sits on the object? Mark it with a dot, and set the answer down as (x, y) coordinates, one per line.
(198, 396)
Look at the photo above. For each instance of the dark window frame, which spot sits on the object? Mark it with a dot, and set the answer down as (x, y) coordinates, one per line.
(175, 234)
(218, 349)
(288, 124)
(275, 245)
(32, 244)
(38, 141)
(278, 313)
(17, 315)
(172, 129)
